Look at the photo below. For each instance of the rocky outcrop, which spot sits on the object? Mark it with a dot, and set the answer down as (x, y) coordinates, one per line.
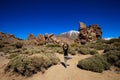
(88, 34)
(30, 37)
(40, 39)
(8, 38)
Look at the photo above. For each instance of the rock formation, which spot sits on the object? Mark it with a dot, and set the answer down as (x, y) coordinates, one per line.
(40, 38)
(88, 34)
(8, 38)
(30, 37)
(49, 38)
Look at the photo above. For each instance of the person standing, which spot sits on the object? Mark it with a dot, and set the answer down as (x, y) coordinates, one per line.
(66, 57)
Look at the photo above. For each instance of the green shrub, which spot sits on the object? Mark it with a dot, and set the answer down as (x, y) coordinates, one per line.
(108, 49)
(28, 65)
(74, 45)
(112, 56)
(116, 44)
(117, 64)
(19, 45)
(53, 45)
(97, 46)
(59, 50)
(112, 41)
(41, 43)
(24, 48)
(13, 55)
(92, 52)
(96, 63)
(112, 59)
(72, 52)
(84, 51)
(1, 45)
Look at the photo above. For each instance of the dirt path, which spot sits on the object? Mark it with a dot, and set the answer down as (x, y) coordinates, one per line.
(59, 72)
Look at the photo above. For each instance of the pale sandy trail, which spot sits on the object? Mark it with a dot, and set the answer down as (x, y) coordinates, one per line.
(72, 72)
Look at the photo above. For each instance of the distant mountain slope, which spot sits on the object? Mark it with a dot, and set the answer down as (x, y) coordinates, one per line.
(70, 34)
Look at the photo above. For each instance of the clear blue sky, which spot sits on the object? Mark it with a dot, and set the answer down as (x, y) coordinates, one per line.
(20, 17)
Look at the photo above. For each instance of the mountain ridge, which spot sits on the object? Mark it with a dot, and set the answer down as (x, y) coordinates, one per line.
(72, 34)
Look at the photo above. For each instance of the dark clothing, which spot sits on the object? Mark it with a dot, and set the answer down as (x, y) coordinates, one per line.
(65, 49)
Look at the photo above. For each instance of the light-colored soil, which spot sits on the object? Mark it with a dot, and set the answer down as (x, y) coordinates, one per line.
(59, 72)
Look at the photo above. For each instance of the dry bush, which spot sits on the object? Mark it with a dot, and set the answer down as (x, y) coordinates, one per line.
(74, 45)
(113, 56)
(96, 63)
(13, 55)
(19, 45)
(53, 45)
(1, 45)
(92, 52)
(112, 41)
(84, 51)
(27, 66)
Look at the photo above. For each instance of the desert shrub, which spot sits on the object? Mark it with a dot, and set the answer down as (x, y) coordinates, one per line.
(92, 52)
(109, 48)
(99, 47)
(112, 56)
(53, 45)
(59, 50)
(96, 63)
(41, 43)
(19, 45)
(112, 41)
(84, 51)
(117, 64)
(112, 59)
(24, 48)
(74, 45)
(72, 51)
(26, 52)
(116, 44)
(28, 65)
(12, 55)
(1, 45)
(6, 49)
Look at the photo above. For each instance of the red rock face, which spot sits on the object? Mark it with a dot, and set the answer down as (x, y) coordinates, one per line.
(8, 38)
(89, 34)
(30, 37)
(40, 38)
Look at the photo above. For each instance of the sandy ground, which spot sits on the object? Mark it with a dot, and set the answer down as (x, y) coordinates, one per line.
(59, 72)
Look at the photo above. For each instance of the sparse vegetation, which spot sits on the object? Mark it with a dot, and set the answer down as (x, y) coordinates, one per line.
(1, 45)
(28, 65)
(113, 56)
(92, 52)
(53, 45)
(84, 51)
(19, 45)
(99, 63)
(13, 55)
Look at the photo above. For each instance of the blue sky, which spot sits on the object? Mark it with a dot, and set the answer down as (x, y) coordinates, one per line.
(20, 17)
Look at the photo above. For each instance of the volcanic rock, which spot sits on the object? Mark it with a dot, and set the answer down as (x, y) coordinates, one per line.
(30, 37)
(88, 34)
(8, 38)
(40, 38)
